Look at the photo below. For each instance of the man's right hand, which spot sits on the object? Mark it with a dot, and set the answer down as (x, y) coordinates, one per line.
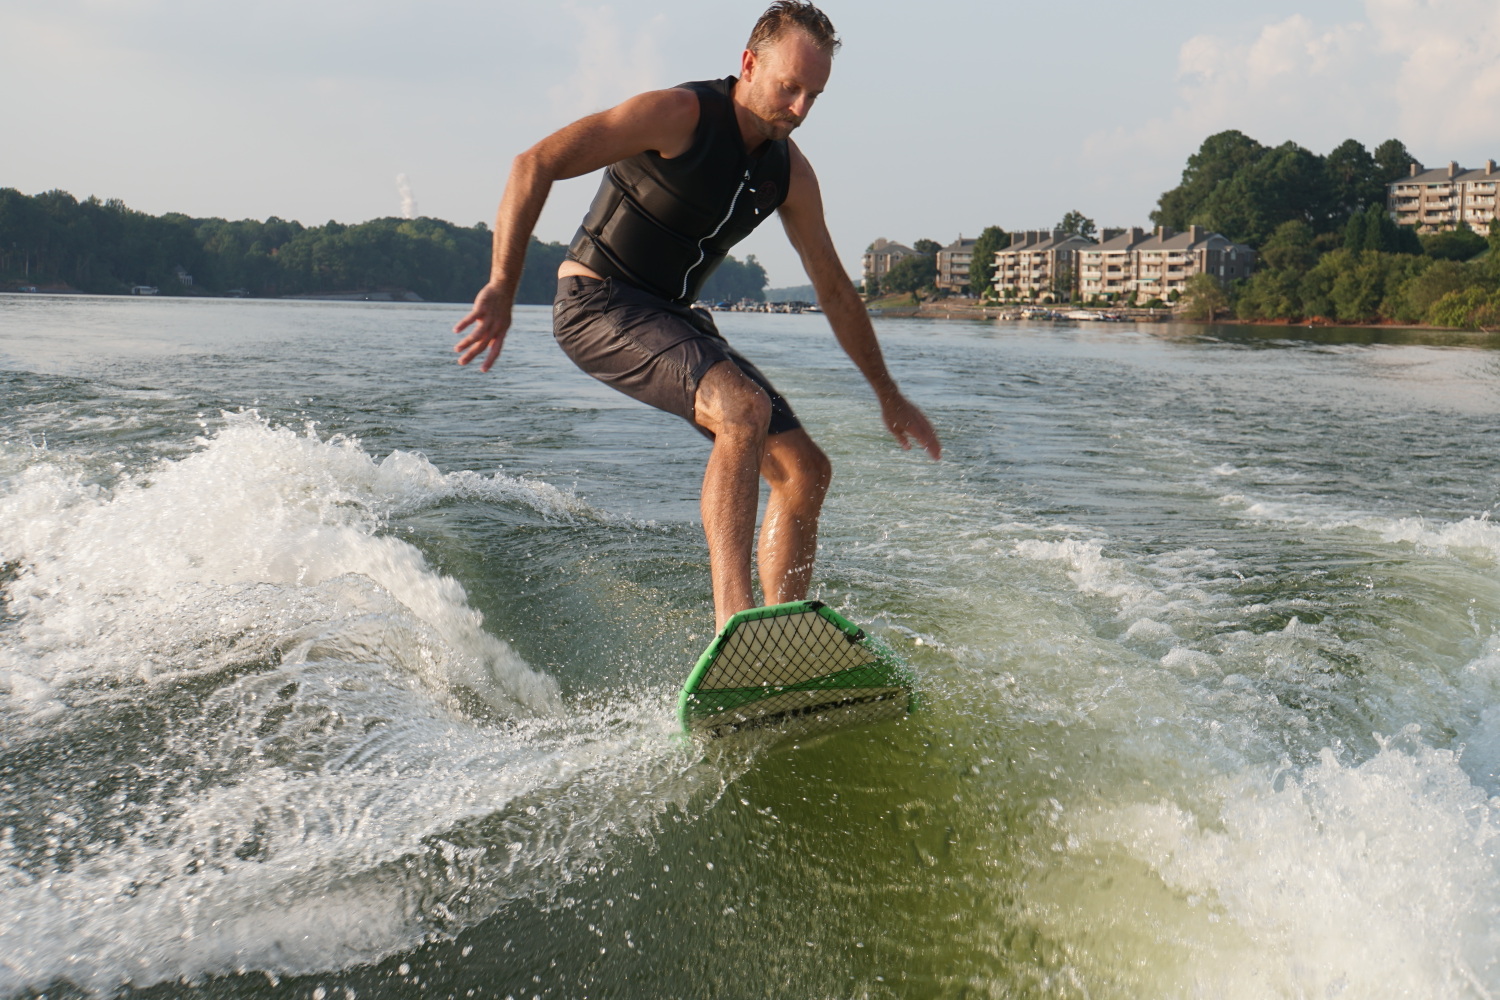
(492, 314)
(661, 120)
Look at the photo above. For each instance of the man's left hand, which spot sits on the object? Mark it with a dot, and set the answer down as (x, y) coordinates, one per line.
(909, 424)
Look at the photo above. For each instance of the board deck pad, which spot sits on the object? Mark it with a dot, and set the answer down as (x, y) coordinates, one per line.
(798, 663)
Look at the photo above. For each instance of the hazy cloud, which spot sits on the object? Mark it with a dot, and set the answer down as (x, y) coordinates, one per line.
(1448, 87)
(1427, 73)
(613, 63)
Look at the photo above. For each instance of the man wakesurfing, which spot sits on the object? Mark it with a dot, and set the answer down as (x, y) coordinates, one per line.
(688, 173)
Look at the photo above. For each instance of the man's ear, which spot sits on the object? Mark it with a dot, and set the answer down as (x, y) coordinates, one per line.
(747, 65)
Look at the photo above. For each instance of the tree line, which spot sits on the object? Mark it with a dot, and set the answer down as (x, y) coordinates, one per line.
(106, 247)
(1327, 246)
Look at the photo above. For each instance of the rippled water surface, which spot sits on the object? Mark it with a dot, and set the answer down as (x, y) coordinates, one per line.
(328, 669)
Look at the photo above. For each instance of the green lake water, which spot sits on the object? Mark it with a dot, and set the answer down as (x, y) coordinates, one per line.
(331, 670)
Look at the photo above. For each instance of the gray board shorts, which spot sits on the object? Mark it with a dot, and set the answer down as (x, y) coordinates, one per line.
(650, 349)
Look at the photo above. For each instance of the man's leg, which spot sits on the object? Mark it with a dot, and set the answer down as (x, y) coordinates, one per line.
(737, 412)
(799, 474)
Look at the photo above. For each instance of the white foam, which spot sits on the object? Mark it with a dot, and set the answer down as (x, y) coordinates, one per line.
(1092, 571)
(1172, 585)
(1467, 537)
(299, 814)
(1191, 662)
(1472, 534)
(350, 863)
(1381, 879)
(218, 556)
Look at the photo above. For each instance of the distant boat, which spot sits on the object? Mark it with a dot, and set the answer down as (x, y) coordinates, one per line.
(143, 289)
(1095, 315)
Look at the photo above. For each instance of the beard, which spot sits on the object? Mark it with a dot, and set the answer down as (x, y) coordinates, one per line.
(776, 125)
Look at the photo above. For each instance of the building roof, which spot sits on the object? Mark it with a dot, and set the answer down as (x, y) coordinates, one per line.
(1043, 241)
(885, 246)
(1452, 173)
(1122, 241)
(961, 245)
(1164, 238)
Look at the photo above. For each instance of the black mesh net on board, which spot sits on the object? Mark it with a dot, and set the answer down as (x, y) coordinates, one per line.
(795, 670)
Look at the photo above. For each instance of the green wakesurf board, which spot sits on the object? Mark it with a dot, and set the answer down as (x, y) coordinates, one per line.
(798, 663)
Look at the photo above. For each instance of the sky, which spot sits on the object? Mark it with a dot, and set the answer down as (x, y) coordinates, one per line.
(940, 118)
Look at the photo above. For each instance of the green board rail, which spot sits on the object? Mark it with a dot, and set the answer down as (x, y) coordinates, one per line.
(795, 661)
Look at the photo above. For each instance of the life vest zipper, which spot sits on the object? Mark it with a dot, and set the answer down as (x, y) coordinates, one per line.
(703, 254)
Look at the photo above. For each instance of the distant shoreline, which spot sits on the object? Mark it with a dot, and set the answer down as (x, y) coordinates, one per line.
(939, 309)
(959, 309)
(382, 295)
(947, 309)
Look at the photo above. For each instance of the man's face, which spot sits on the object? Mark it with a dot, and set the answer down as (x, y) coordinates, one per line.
(782, 81)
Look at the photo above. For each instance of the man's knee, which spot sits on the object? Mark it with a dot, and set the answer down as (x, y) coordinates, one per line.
(728, 402)
(798, 466)
(817, 470)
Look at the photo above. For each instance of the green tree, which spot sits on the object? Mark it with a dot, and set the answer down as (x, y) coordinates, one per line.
(909, 274)
(1271, 294)
(1075, 223)
(1374, 229)
(1062, 284)
(734, 280)
(1216, 162)
(982, 265)
(1245, 190)
(1455, 244)
(1285, 183)
(930, 247)
(1353, 178)
(1358, 289)
(1392, 161)
(1411, 302)
(1290, 247)
(1471, 308)
(1204, 298)
(1315, 290)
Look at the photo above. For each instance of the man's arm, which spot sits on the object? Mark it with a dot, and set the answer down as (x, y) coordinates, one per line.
(802, 215)
(662, 120)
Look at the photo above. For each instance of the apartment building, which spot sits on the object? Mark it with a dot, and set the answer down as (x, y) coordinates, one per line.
(1153, 265)
(1038, 262)
(1439, 199)
(953, 265)
(881, 256)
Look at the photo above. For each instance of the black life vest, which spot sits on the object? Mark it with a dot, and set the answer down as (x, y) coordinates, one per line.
(665, 224)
